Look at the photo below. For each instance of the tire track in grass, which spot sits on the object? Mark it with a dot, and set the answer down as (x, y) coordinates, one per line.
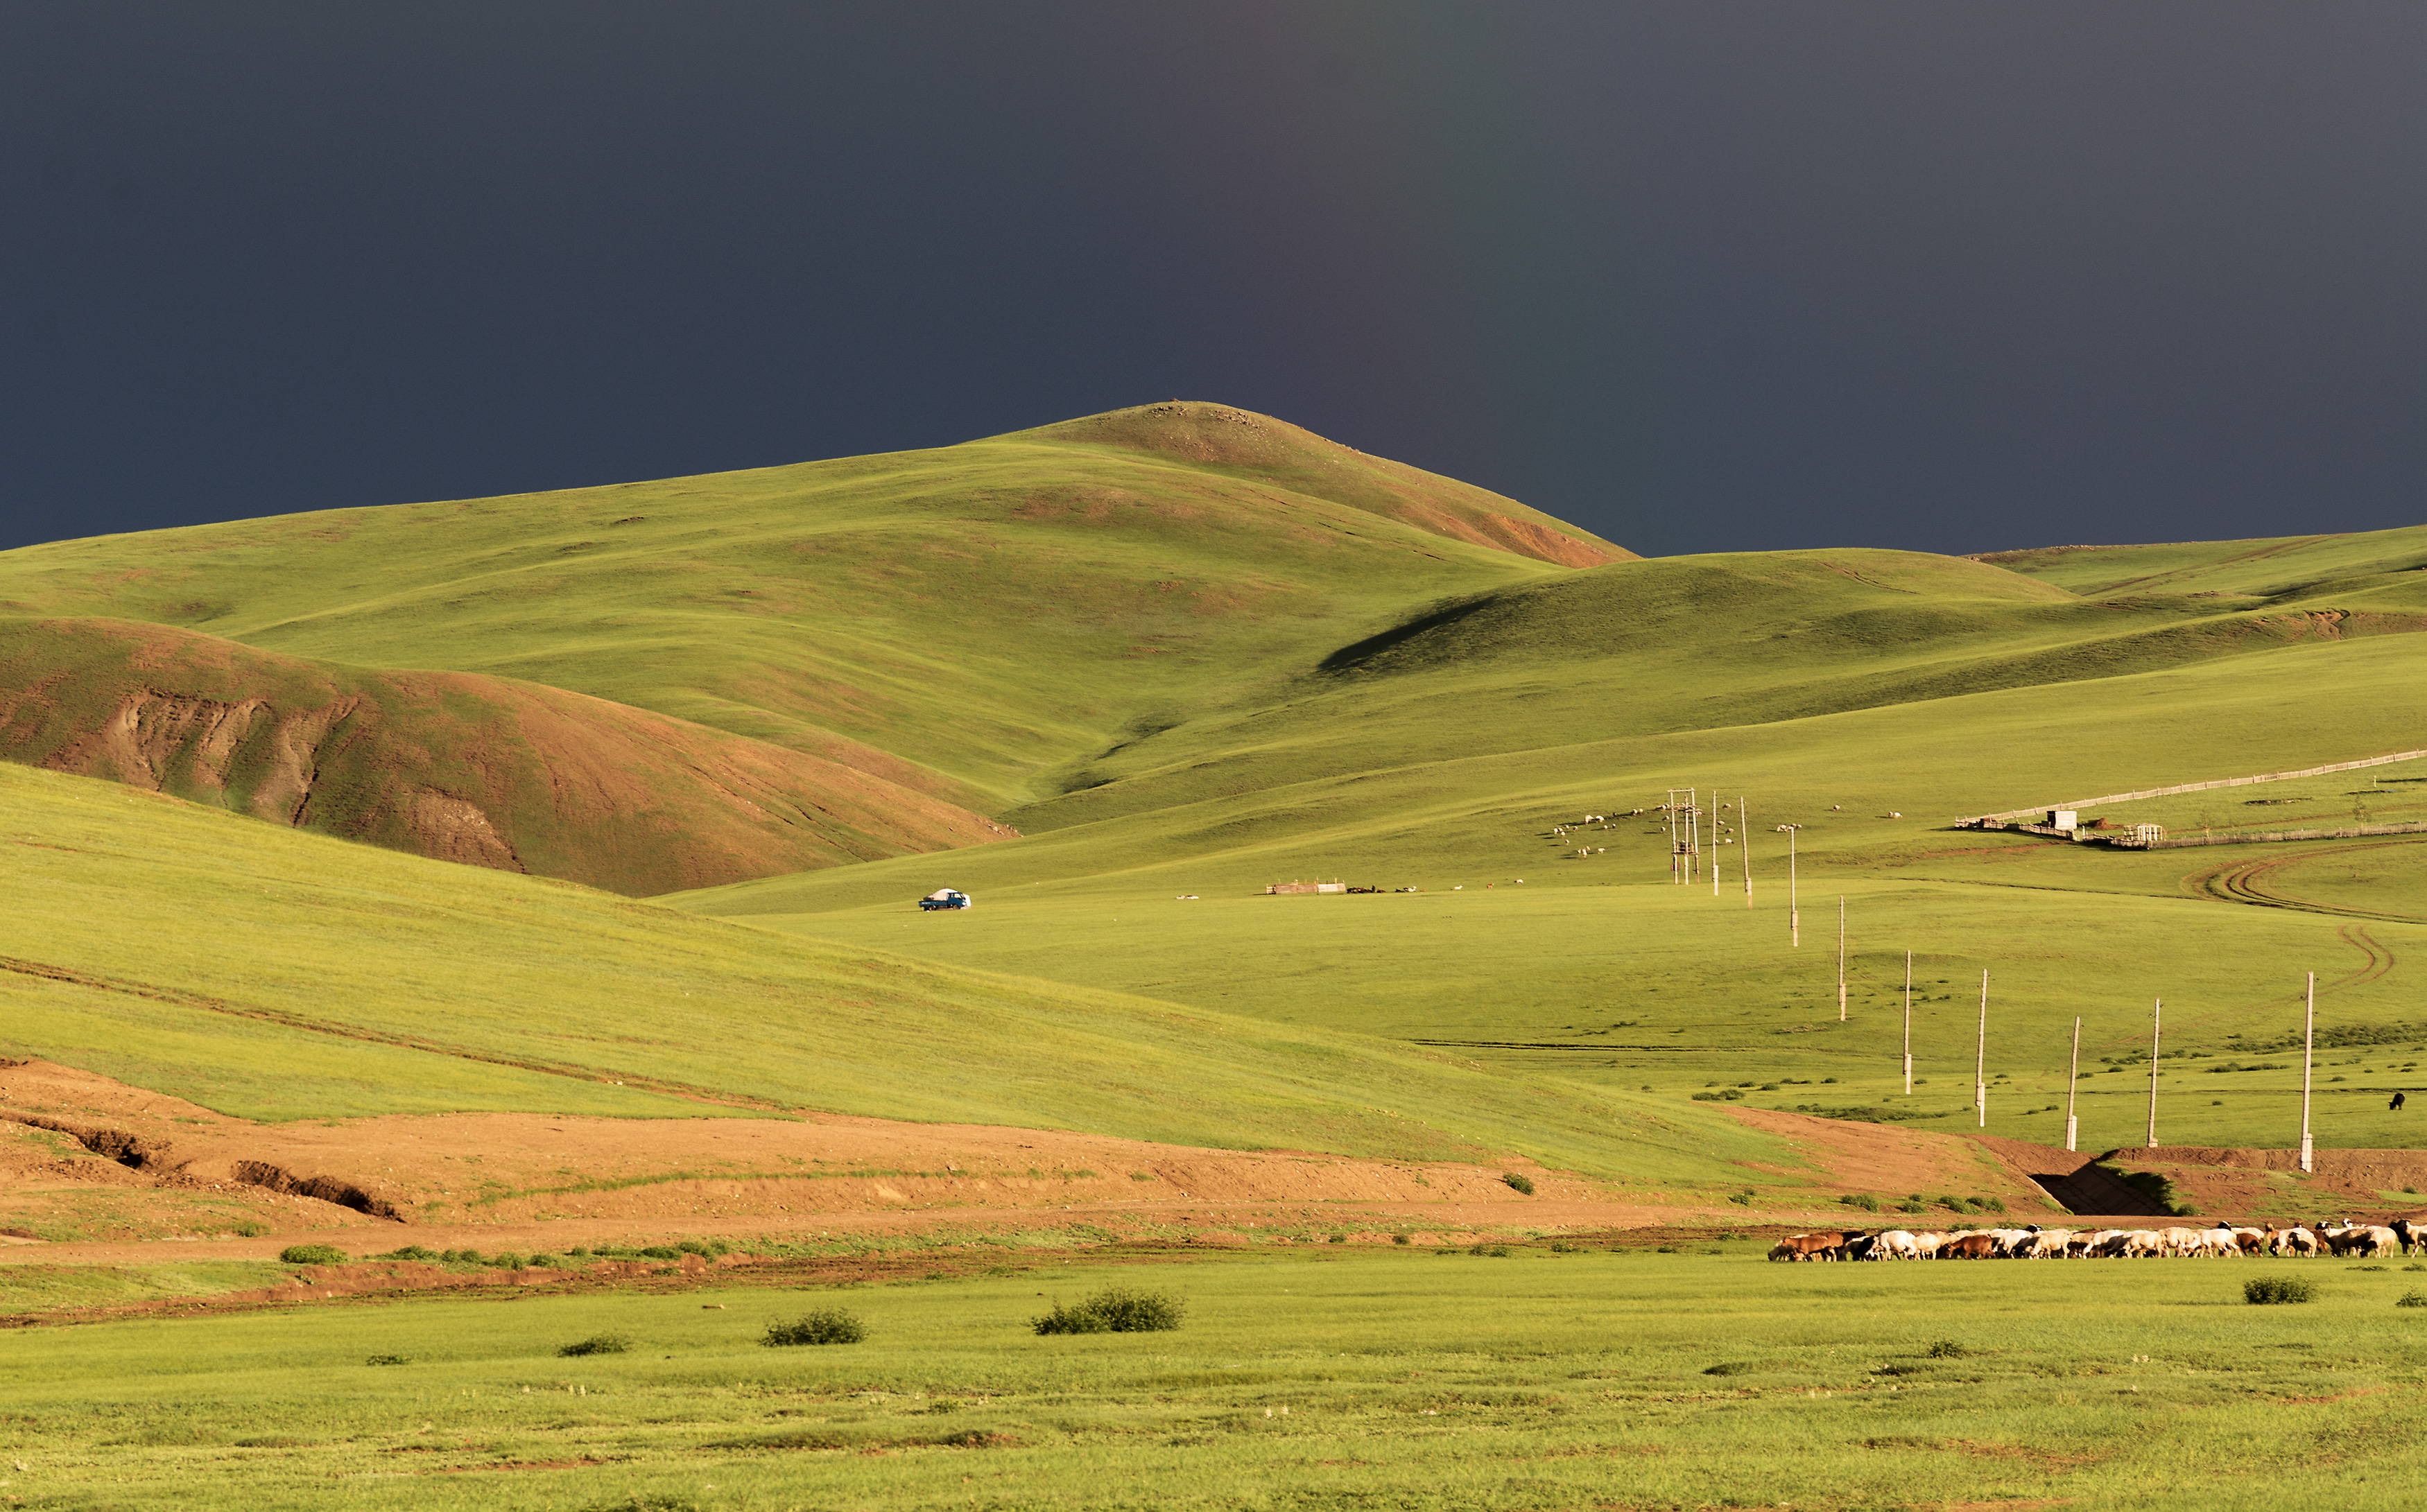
(2257, 881)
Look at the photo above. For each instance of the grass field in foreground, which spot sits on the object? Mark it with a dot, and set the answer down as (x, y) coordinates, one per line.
(1392, 1378)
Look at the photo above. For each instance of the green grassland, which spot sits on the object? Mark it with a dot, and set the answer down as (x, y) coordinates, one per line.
(1190, 652)
(971, 617)
(2257, 569)
(279, 975)
(1402, 1378)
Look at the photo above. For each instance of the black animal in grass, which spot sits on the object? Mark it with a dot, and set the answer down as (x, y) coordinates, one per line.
(2399, 1098)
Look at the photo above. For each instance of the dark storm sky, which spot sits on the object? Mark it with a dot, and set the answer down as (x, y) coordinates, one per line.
(1700, 276)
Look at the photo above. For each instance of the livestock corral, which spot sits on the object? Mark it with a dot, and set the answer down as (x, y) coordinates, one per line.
(2216, 1242)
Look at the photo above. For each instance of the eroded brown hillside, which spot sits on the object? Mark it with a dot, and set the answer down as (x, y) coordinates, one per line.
(454, 766)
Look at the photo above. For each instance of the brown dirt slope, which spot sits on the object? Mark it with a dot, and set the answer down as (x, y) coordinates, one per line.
(454, 766)
(1246, 444)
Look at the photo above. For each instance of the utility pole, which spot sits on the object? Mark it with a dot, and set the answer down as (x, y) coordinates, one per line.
(1980, 1055)
(2157, 1021)
(1744, 843)
(2308, 1054)
(1841, 958)
(2072, 1087)
(1908, 1023)
(1716, 828)
(1794, 914)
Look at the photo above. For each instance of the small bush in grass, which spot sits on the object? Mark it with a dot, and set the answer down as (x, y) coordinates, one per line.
(1861, 1199)
(1742, 1200)
(1522, 1185)
(1494, 1251)
(599, 1344)
(1401, 1239)
(389, 1360)
(312, 1255)
(1337, 1238)
(1731, 1367)
(2411, 1299)
(2269, 1290)
(1947, 1349)
(410, 1252)
(827, 1326)
(1113, 1311)
(660, 1252)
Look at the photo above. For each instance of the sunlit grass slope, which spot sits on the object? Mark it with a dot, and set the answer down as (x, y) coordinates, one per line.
(971, 619)
(274, 974)
(1626, 980)
(2259, 568)
(1697, 644)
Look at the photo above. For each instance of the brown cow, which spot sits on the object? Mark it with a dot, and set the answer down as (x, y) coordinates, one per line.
(1819, 1247)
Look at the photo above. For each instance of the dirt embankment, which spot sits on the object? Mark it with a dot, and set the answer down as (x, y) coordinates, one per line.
(73, 1143)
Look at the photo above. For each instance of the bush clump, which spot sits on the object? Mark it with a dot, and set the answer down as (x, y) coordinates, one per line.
(311, 1255)
(599, 1344)
(1523, 1185)
(1947, 1349)
(827, 1326)
(1113, 1311)
(2411, 1299)
(2269, 1290)
(1861, 1199)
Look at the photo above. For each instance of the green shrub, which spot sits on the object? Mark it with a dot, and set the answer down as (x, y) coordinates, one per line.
(599, 1344)
(389, 1360)
(1742, 1200)
(827, 1326)
(1947, 1349)
(2268, 1291)
(311, 1255)
(660, 1252)
(1861, 1199)
(1731, 1367)
(1494, 1251)
(1988, 1205)
(410, 1252)
(1522, 1185)
(1401, 1239)
(2411, 1299)
(1337, 1238)
(1114, 1311)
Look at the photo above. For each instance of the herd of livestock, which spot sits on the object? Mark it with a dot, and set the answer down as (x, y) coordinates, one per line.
(2224, 1240)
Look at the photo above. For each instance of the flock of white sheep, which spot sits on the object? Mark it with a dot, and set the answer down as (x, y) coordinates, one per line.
(2222, 1241)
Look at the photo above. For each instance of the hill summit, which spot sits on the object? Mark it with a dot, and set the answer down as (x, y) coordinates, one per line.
(699, 681)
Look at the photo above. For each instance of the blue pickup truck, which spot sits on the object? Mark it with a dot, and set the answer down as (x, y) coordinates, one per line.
(943, 898)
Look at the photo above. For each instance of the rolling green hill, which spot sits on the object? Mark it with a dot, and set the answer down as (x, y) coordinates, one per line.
(274, 974)
(1189, 651)
(969, 620)
(2265, 568)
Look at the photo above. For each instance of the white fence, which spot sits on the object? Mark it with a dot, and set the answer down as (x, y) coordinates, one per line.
(2200, 787)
